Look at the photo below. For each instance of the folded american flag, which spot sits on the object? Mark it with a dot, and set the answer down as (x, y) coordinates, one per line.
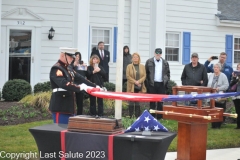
(146, 122)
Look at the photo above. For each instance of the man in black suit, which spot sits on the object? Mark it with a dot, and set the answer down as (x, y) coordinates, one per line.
(104, 58)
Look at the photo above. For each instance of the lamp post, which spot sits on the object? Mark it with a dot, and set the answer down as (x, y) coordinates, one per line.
(51, 33)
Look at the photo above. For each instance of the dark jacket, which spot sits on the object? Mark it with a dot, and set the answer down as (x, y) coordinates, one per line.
(193, 75)
(150, 71)
(97, 78)
(79, 78)
(62, 101)
(234, 81)
(127, 59)
(103, 62)
(227, 70)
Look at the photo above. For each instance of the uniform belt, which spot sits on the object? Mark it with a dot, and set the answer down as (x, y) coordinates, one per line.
(58, 89)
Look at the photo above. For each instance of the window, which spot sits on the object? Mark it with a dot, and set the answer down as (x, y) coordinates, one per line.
(172, 46)
(237, 50)
(100, 34)
(20, 54)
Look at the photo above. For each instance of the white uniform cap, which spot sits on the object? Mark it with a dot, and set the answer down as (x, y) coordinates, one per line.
(68, 50)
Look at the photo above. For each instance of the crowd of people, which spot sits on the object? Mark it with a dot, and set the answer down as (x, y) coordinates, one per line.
(68, 76)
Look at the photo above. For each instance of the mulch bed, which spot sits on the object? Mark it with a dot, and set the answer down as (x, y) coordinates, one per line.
(10, 117)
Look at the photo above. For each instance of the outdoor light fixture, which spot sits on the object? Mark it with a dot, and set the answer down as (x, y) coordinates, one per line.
(51, 33)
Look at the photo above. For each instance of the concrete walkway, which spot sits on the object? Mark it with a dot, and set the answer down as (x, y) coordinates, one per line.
(215, 154)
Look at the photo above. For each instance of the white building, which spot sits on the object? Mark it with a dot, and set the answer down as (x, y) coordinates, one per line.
(179, 27)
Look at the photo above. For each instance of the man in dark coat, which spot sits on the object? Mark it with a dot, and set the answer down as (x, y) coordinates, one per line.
(104, 58)
(194, 73)
(158, 75)
(61, 79)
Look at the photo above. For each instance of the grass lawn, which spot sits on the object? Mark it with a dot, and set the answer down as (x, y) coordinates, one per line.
(17, 138)
(226, 137)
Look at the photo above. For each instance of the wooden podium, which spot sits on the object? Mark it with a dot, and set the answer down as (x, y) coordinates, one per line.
(192, 123)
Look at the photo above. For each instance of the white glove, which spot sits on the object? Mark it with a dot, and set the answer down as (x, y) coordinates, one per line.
(98, 86)
(101, 89)
(104, 89)
(83, 86)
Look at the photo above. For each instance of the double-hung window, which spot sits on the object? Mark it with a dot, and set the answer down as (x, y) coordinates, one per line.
(101, 34)
(172, 47)
(236, 49)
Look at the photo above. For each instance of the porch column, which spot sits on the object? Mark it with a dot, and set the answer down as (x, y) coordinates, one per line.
(134, 26)
(119, 68)
(157, 26)
(81, 28)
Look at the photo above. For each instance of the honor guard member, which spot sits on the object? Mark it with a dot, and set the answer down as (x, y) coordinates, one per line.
(61, 79)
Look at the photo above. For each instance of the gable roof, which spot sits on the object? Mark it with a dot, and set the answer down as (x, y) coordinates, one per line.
(229, 10)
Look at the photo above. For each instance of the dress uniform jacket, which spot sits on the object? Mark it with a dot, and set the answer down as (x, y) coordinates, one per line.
(61, 79)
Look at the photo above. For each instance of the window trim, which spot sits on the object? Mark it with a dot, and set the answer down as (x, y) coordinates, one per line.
(233, 57)
(180, 46)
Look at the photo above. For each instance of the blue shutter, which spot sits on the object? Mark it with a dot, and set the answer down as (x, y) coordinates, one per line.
(229, 49)
(115, 44)
(186, 47)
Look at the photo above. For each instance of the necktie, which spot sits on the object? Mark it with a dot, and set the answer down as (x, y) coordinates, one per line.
(157, 60)
(102, 54)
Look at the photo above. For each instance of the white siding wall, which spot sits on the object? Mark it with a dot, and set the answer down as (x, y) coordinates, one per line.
(56, 13)
(197, 17)
(127, 21)
(144, 30)
(104, 14)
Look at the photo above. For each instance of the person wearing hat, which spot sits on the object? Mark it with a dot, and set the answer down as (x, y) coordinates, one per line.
(61, 79)
(157, 77)
(194, 74)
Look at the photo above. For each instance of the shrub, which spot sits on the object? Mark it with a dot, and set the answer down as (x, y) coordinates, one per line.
(39, 100)
(110, 86)
(42, 100)
(27, 99)
(42, 87)
(169, 86)
(109, 106)
(14, 90)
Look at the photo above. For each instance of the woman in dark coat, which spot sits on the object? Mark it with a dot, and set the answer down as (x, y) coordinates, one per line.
(97, 75)
(127, 59)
